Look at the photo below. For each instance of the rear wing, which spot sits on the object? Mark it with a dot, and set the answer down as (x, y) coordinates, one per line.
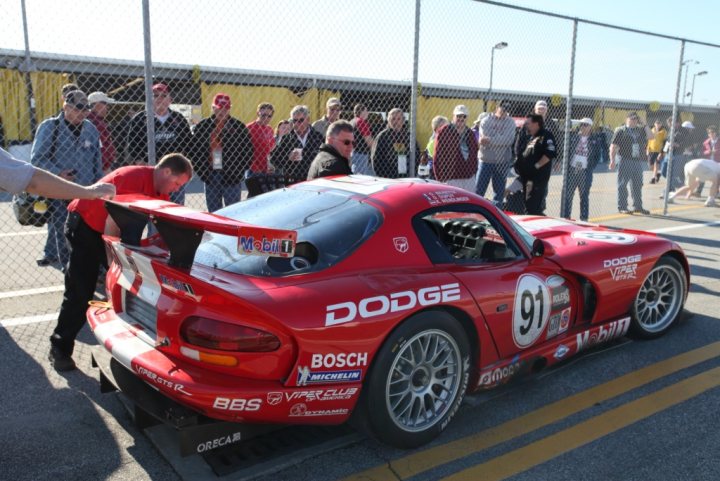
(182, 229)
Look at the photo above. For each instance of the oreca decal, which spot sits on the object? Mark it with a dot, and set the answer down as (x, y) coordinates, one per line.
(531, 310)
(607, 237)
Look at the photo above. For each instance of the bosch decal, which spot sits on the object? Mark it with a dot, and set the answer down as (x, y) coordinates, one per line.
(623, 268)
(218, 442)
(601, 334)
(399, 301)
(306, 376)
(353, 359)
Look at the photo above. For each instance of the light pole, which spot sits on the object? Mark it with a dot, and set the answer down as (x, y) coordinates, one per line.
(498, 46)
(687, 65)
(692, 92)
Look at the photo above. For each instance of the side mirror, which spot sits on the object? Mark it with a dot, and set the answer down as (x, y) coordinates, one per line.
(541, 248)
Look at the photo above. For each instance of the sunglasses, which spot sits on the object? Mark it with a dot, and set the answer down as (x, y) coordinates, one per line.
(82, 107)
(299, 121)
(461, 116)
(266, 116)
(348, 142)
(335, 109)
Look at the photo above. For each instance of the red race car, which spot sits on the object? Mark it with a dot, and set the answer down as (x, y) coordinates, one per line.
(385, 300)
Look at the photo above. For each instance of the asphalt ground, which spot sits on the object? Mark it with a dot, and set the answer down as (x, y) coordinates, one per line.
(632, 410)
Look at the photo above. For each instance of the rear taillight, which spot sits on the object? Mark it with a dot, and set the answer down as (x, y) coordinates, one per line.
(222, 336)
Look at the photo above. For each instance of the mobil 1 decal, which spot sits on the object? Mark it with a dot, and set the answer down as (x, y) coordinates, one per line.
(530, 310)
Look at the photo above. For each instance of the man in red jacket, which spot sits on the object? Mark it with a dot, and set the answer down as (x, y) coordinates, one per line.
(87, 221)
(456, 151)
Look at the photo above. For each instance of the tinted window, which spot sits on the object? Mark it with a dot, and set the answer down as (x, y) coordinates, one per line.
(330, 225)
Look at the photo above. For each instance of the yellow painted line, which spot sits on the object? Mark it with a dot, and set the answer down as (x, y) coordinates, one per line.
(590, 430)
(426, 459)
(676, 208)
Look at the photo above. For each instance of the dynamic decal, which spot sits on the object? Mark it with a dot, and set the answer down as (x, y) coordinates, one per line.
(531, 310)
(301, 410)
(602, 334)
(398, 301)
(607, 237)
(623, 268)
(306, 376)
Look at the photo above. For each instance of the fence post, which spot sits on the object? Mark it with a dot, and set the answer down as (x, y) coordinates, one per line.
(672, 130)
(149, 108)
(26, 67)
(414, 93)
(568, 123)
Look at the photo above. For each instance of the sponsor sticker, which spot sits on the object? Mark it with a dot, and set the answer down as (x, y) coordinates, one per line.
(398, 301)
(560, 297)
(445, 197)
(237, 404)
(340, 394)
(501, 374)
(531, 310)
(561, 351)
(401, 244)
(553, 326)
(218, 442)
(306, 376)
(274, 398)
(564, 320)
(623, 268)
(263, 246)
(161, 381)
(329, 361)
(602, 334)
(301, 410)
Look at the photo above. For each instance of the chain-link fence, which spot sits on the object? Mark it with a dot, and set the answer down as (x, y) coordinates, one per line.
(286, 69)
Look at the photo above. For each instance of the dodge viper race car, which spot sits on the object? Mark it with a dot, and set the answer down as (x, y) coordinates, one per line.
(384, 300)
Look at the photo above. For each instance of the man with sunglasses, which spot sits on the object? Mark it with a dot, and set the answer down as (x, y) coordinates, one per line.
(172, 133)
(68, 146)
(262, 137)
(456, 152)
(296, 150)
(333, 158)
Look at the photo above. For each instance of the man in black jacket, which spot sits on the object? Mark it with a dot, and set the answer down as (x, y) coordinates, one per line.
(172, 133)
(296, 150)
(221, 153)
(333, 156)
(533, 165)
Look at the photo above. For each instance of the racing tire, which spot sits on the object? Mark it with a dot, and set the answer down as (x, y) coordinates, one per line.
(418, 380)
(660, 300)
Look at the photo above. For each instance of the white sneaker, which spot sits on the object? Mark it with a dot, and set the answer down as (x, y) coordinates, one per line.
(710, 202)
(671, 198)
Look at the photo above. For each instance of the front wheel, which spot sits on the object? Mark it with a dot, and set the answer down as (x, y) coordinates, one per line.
(418, 380)
(660, 300)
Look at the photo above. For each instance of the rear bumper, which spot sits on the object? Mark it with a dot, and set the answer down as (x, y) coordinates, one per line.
(169, 390)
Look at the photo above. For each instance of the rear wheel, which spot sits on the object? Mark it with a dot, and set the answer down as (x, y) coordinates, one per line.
(418, 380)
(660, 300)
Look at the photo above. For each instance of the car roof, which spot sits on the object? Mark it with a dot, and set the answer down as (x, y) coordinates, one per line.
(407, 193)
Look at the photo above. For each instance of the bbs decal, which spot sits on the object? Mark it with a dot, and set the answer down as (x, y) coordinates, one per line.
(531, 310)
(607, 237)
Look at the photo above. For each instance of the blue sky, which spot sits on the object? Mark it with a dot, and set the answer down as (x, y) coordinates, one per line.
(374, 39)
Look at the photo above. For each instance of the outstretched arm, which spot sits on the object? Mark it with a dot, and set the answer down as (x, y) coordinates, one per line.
(49, 185)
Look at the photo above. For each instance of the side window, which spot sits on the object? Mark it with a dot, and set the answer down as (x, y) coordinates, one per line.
(458, 235)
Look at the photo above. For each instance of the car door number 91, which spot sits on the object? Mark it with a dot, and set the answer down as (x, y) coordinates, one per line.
(531, 310)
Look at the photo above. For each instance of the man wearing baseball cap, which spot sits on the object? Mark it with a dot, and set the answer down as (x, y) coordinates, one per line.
(99, 102)
(221, 153)
(68, 146)
(172, 133)
(456, 151)
(333, 107)
(586, 148)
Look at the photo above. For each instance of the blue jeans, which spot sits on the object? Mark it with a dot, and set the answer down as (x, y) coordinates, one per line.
(677, 179)
(55, 244)
(580, 179)
(497, 173)
(630, 171)
(361, 164)
(216, 192)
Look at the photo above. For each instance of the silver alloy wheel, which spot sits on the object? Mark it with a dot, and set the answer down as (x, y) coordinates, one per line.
(660, 298)
(424, 380)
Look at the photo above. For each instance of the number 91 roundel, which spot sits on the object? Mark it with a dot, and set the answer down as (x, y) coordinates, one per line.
(530, 310)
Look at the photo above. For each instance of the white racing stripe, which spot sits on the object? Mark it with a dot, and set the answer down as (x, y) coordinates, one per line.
(127, 349)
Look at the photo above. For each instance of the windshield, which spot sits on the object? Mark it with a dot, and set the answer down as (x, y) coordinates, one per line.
(330, 225)
(526, 237)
